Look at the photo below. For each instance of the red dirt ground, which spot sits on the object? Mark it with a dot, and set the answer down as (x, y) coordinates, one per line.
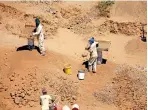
(24, 73)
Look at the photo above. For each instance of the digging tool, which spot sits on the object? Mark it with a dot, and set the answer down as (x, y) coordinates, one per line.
(55, 102)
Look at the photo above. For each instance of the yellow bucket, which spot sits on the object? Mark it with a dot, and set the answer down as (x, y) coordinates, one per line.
(67, 69)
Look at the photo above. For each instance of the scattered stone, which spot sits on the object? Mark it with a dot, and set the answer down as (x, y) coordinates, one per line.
(17, 100)
(74, 97)
(6, 64)
(31, 104)
(62, 98)
(22, 95)
(24, 103)
(127, 87)
(11, 78)
(20, 105)
(28, 93)
(65, 78)
(12, 94)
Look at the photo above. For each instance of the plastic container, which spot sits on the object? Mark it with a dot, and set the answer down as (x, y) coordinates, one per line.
(81, 75)
(67, 69)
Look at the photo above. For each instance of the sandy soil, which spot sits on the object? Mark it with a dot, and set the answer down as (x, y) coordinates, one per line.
(67, 26)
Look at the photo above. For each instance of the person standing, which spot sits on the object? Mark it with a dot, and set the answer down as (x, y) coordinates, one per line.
(40, 35)
(92, 48)
(45, 100)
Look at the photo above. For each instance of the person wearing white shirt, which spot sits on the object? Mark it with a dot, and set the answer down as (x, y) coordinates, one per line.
(45, 100)
(39, 33)
(92, 48)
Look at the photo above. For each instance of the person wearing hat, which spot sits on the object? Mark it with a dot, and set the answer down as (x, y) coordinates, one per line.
(40, 35)
(45, 100)
(92, 48)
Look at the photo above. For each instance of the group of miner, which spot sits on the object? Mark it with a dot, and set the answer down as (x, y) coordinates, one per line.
(92, 63)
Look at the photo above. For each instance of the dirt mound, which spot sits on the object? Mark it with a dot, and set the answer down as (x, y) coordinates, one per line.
(70, 11)
(84, 25)
(62, 87)
(8, 10)
(80, 24)
(18, 19)
(8, 13)
(75, 18)
(18, 25)
(130, 10)
(23, 87)
(127, 90)
(127, 28)
(136, 46)
(29, 88)
(72, 17)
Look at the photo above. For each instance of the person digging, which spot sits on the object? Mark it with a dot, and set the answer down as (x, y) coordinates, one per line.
(40, 36)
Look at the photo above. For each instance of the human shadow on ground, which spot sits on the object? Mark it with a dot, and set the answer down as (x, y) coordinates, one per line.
(104, 61)
(143, 38)
(26, 47)
(86, 62)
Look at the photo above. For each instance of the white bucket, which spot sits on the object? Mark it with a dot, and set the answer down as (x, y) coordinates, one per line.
(81, 75)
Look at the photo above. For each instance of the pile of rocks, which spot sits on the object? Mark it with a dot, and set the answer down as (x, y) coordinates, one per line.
(24, 98)
(127, 90)
(3, 87)
(25, 93)
(127, 28)
(67, 90)
(70, 11)
(81, 24)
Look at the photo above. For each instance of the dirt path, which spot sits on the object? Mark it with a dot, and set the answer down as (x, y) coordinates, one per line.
(73, 45)
(68, 43)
